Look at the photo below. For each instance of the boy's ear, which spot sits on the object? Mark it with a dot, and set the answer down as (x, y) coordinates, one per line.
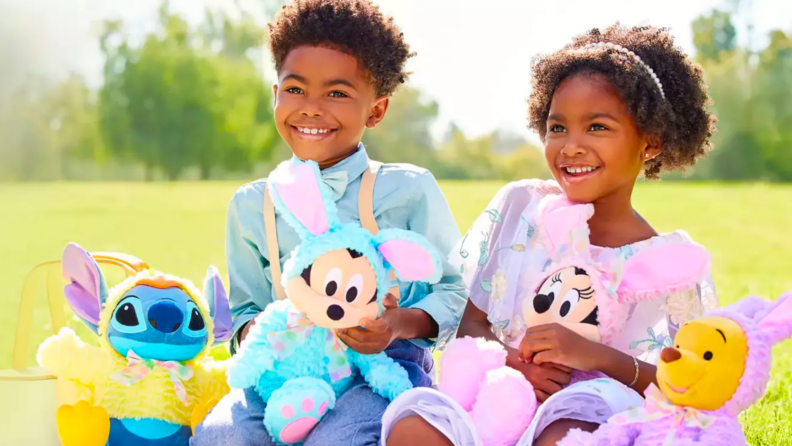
(378, 111)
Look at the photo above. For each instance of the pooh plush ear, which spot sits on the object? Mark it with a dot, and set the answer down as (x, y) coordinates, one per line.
(216, 297)
(663, 270)
(87, 289)
(302, 199)
(776, 323)
(410, 255)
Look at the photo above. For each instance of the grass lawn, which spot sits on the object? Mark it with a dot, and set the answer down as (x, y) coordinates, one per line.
(179, 228)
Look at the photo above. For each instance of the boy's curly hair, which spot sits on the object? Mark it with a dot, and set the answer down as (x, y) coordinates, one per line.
(356, 27)
(681, 120)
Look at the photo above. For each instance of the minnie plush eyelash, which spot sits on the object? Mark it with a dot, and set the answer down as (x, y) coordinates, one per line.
(587, 293)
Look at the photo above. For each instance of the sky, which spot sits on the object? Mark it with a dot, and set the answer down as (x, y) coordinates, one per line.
(473, 56)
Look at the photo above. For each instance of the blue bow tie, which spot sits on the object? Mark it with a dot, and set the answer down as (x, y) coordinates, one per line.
(337, 182)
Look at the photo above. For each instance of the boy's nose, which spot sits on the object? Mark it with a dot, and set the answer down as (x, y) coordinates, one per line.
(165, 317)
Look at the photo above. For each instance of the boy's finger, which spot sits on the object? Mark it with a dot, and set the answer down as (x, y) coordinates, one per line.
(372, 324)
(390, 301)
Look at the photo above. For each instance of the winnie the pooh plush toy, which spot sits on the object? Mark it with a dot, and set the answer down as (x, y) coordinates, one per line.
(150, 380)
(719, 366)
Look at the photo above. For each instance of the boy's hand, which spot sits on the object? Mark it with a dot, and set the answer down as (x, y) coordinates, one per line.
(554, 343)
(246, 329)
(376, 334)
(546, 379)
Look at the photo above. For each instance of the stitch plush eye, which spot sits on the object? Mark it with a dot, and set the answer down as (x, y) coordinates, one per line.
(354, 288)
(332, 280)
(195, 325)
(127, 316)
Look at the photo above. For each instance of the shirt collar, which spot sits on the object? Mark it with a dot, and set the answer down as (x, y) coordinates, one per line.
(354, 165)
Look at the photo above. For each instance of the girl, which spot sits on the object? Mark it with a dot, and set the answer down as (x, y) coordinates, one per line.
(608, 106)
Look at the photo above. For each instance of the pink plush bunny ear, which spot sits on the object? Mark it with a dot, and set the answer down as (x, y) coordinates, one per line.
(410, 255)
(777, 323)
(87, 290)
(301, 197)
(663, 270)
(566, 224)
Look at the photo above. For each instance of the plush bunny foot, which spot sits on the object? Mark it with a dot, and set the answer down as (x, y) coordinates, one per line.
(83, 425)
(294, 409)
(464, 365)
(504, 408)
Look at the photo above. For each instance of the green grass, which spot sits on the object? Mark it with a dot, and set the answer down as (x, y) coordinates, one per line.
(179, 228)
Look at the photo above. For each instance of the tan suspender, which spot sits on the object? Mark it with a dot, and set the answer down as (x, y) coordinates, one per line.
(367, 220)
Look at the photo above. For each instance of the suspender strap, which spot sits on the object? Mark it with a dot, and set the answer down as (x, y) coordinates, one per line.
(272, 246)
(367, 220)
(366, 210)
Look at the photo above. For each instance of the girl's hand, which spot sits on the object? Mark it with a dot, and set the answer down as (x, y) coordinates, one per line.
(557, 344)
(546, 378)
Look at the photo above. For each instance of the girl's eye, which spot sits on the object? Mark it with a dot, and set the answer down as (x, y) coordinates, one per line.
(338, 94)
(294, 90)
(556, 128)
(597, 127)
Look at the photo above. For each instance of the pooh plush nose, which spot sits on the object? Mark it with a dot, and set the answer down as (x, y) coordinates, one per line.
(669, 355)
(165, 317)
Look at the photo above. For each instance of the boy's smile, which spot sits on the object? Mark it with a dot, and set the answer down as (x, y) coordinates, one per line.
(323, 103)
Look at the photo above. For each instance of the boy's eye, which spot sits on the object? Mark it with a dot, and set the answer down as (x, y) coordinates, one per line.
(597, 127)
(556, 128)
(294, 90)
(338, 94)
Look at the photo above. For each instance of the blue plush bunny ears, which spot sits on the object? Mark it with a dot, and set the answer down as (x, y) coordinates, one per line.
(306, 204)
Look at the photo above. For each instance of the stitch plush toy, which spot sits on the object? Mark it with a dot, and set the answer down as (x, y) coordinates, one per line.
(337, 276)
(589, 296)
(719, 367)
(149, 379)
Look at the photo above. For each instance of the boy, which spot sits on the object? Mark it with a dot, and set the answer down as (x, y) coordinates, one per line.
(338, 62)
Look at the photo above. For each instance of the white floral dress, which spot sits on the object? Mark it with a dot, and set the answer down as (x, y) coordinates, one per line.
(498, 258)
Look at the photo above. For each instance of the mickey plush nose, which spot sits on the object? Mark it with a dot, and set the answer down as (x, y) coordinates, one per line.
(334, 312)
(670, 355)
(165, 317)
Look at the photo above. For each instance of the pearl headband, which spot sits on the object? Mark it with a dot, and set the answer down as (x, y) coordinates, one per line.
(624, 54)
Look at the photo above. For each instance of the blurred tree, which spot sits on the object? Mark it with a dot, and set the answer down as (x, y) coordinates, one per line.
(713, 34)
(186, 97)
(405, 133)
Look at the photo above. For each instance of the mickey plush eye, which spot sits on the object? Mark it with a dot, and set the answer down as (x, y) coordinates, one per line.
(128, 315)
(194, 324)
(332, 280)
(354, 287)
(571, 299)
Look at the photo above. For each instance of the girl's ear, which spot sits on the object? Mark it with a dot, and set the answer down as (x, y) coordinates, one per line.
(410, 255)
(215, 295)
(663, 270)
(87, 289)
(654, 147)
(301, 198)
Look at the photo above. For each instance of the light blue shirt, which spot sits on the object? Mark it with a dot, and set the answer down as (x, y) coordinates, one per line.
(405, 197)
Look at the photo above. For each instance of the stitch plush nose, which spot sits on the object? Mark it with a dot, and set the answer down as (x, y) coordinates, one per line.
(334, 312)
(670, 355)
(165, 317)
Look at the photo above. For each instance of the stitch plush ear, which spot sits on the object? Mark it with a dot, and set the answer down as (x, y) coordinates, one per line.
(410, 255)
(301, 198)
(566, 224)
(215, 295)
(87, 289)
(663, 270)
(776, 324)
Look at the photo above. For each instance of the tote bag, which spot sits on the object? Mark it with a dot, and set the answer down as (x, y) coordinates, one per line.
(29, 395)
